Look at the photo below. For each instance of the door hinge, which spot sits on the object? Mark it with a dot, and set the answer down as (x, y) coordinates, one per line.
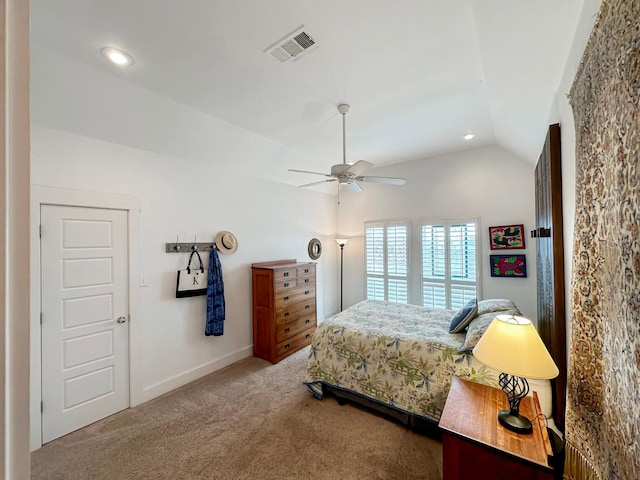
(41, 407)
(40, 318)
(40, 230)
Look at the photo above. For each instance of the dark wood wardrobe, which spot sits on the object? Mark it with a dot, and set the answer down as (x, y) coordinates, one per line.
(550, 263)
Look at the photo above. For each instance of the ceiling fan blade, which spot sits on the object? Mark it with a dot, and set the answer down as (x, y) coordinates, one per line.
(354, 187)
(385, 180)
(359, 168)
(318, 183)
(314, 173)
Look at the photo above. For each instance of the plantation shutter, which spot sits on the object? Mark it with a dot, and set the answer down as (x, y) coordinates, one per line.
(397, 263)
(433, 266)
(449, 264)
(463, 259)
(448, 277)
(375, 262)
(387, 250)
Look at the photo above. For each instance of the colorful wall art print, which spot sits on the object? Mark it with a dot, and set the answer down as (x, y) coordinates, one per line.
(506, 236)
(508, 266)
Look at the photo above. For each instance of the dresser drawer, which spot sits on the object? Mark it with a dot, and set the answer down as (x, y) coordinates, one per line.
(286, 284)
(304, 294)
(306, 281)
(296, 311)
(284, 274)
(307, 271)
(295, 343)
(291, 329)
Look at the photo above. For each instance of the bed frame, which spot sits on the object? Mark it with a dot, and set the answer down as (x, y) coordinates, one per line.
(418, 424)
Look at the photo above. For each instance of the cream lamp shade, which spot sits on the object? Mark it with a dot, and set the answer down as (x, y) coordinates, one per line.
(512, 345)
(342, 241)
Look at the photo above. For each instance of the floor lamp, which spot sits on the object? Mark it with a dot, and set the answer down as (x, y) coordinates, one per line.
(342, 242)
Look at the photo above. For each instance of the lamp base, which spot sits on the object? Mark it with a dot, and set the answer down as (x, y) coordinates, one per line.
(514, 421)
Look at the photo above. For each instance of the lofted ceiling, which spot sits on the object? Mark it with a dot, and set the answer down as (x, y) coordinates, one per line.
(418, 74)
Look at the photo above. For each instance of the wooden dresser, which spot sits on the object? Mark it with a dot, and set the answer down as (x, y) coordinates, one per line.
(475, 445)
(284, 307)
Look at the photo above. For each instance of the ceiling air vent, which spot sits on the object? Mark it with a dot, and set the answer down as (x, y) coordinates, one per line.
(292, 47)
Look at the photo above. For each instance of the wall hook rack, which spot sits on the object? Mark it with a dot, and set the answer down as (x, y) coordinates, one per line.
(224, 242)
(182, 247)
(189, 247)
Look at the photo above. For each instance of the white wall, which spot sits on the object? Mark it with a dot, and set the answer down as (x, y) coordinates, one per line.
(190, 173)
(486, 182)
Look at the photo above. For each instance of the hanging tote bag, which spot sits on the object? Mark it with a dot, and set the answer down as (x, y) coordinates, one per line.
(192, 281)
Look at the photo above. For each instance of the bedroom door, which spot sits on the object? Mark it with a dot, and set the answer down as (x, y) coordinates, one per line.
(85, 333)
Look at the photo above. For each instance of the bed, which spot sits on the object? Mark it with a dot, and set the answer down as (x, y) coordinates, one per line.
(399, 359)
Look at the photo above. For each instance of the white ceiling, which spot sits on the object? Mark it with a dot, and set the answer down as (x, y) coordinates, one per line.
(418, 74)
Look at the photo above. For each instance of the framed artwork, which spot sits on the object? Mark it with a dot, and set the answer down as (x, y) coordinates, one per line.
(508, 266)
(506, 236)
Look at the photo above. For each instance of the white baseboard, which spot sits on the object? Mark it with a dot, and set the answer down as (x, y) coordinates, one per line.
(153, 391)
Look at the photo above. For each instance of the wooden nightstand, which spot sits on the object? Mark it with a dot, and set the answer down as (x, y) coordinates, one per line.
(475, 445)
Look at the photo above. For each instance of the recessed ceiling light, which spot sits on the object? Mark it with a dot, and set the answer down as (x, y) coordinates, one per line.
(117, 56)
(469, 136)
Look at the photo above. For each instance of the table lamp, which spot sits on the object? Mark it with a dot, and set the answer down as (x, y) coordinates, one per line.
(512, 346)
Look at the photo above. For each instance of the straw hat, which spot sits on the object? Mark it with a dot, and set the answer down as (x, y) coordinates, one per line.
(226, 242)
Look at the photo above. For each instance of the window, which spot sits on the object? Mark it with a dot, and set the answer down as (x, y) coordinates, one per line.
(449, 263)
(387, 261)
(448, 277)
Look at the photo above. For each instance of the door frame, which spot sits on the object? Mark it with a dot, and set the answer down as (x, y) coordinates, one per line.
(45, 195)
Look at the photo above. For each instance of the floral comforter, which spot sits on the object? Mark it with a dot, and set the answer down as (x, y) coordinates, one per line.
(402, 356)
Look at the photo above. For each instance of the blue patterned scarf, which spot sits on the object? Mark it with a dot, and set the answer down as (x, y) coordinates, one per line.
(215, 296)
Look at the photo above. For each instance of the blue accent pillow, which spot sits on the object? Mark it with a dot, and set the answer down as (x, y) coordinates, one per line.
(463, 317)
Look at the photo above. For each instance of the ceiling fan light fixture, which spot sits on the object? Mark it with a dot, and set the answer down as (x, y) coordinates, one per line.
(469, 136)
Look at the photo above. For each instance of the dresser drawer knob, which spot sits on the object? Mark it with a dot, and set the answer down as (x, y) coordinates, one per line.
(306, 270)
(286, 274)
(286, 330)
(307, 335)
(287, 345)
(307, 320)
(306, 307)
(306, 280)
(286, 285)
(286, 314)
(286, 298)
(306, 292)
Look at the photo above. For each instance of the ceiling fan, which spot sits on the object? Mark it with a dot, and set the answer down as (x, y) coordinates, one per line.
(347, 174)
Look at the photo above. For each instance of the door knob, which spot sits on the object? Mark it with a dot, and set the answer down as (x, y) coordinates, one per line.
(121, 319)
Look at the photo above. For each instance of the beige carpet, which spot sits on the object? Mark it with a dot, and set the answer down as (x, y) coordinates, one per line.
(251, 420)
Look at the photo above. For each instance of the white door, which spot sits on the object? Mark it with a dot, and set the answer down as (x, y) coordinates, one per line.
(85, 329)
